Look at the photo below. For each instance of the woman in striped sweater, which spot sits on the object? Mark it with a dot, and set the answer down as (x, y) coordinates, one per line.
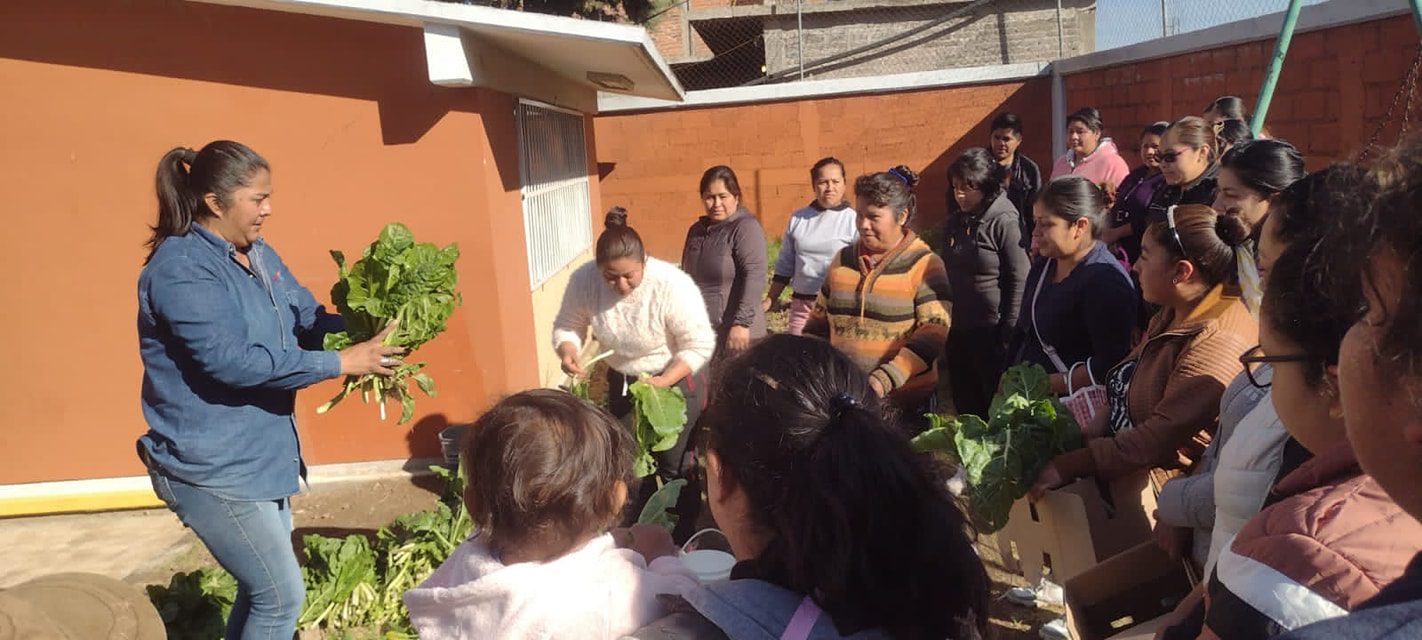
(885, 300)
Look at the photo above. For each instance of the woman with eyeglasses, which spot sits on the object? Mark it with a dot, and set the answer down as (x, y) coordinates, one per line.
(1251, 450)
(1331, 536)
(1164, 397)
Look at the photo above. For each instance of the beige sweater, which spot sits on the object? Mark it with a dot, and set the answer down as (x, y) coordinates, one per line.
(663, 318)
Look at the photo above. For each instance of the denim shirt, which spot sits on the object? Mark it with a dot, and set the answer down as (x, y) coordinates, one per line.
(224, 350)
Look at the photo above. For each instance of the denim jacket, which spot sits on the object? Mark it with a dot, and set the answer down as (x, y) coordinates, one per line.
(224, 350)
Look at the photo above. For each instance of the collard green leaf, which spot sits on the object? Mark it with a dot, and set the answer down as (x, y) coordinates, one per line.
(1026, 427)
(656, 509)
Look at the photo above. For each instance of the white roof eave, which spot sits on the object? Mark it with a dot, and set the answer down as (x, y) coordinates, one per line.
(656, 79)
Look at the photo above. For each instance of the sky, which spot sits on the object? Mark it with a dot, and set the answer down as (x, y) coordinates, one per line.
(1123, 22)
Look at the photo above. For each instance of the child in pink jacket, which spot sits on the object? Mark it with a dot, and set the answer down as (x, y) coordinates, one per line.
(547, 476)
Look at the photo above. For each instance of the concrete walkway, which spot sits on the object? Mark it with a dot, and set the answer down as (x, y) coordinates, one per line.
(118, 544)
(147, 546)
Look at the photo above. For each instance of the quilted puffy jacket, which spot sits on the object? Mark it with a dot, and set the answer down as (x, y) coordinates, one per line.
(1331, 541)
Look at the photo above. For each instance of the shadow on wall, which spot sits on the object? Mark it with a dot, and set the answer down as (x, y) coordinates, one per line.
(1031, 102)
(239, 46)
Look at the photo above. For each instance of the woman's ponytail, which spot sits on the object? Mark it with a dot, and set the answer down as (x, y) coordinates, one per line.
(854, 518)
(175, 200)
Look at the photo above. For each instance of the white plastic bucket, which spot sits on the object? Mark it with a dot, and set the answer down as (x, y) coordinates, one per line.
(709, 565)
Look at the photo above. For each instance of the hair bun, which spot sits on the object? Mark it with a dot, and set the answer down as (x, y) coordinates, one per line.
(1231, 229)
(906, 174)
(616, 217)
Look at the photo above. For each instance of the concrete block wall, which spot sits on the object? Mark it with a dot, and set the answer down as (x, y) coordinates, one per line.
(1335, 87)
(998, 33)
(652, 161)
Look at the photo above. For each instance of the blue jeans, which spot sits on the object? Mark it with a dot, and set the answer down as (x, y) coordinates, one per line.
(252, 541)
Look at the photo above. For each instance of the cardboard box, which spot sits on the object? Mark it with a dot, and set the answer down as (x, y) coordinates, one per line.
(1125, 596)
(1072, 528)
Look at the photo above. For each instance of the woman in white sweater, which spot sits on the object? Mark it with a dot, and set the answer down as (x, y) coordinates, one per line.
(651, 316)
(813, 236)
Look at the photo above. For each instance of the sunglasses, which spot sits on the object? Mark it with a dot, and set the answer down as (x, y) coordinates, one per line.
(1169, 157)
(1174, 233)
(1253, 360)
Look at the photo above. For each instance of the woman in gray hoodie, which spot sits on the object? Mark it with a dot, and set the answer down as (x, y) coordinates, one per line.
(987, 268)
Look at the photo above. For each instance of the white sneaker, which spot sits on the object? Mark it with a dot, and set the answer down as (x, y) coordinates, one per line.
(1055, 630)
(1046, 593)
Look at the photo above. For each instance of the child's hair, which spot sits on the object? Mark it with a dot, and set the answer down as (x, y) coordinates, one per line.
(853, 517)
(892, 189)
(543, 468)
(1072, 197)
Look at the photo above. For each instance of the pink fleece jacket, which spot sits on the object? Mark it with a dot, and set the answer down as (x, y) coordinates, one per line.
(595, 591)
(1102, 165)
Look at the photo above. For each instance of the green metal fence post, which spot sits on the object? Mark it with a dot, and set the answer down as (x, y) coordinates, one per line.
(1276, 65)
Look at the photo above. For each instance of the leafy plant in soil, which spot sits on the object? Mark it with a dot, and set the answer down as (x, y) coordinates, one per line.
(396, 278)
(1001, 456)
(353, 588)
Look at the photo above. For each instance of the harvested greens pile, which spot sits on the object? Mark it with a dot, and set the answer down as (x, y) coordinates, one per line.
(395, 279)
(1001, 457)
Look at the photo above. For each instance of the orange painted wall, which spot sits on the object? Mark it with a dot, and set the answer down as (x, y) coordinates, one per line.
(92, 93)
(1335, 87)
(652, 162)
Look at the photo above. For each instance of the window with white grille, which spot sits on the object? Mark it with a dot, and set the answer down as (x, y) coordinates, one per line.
(553, 167)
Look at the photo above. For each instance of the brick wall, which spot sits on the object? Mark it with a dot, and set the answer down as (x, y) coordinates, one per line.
(1335, 87)
(652, 162)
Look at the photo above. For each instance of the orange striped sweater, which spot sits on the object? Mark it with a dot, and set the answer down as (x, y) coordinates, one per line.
(891, 319)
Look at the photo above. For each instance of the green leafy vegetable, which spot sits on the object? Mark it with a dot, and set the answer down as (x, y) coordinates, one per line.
(353, 589)
(656, 511)
(195, 604)
(658, 416)
(1001, 457)
(395, 279)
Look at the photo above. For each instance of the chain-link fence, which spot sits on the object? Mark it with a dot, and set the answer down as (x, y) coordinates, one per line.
(728, 43)
(1125, 22)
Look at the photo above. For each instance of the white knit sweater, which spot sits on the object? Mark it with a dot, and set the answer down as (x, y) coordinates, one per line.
(663, 318)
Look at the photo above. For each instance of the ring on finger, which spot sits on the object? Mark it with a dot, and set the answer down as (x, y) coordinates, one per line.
(388, 362)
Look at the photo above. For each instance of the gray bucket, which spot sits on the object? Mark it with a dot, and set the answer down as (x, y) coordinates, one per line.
(450, 439)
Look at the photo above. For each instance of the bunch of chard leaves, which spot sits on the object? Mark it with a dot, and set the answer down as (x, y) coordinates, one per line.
(658, 416)
(411, 283)
(195, 604)
(1001, 456)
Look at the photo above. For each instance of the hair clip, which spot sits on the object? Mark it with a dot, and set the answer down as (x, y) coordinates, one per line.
(896, 174)
(842, 402)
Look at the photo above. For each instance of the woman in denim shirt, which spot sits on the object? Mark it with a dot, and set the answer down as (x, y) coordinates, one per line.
(227, 336)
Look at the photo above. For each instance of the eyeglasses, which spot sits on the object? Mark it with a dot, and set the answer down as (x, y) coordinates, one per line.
(1170, 221)
(1253, 358)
